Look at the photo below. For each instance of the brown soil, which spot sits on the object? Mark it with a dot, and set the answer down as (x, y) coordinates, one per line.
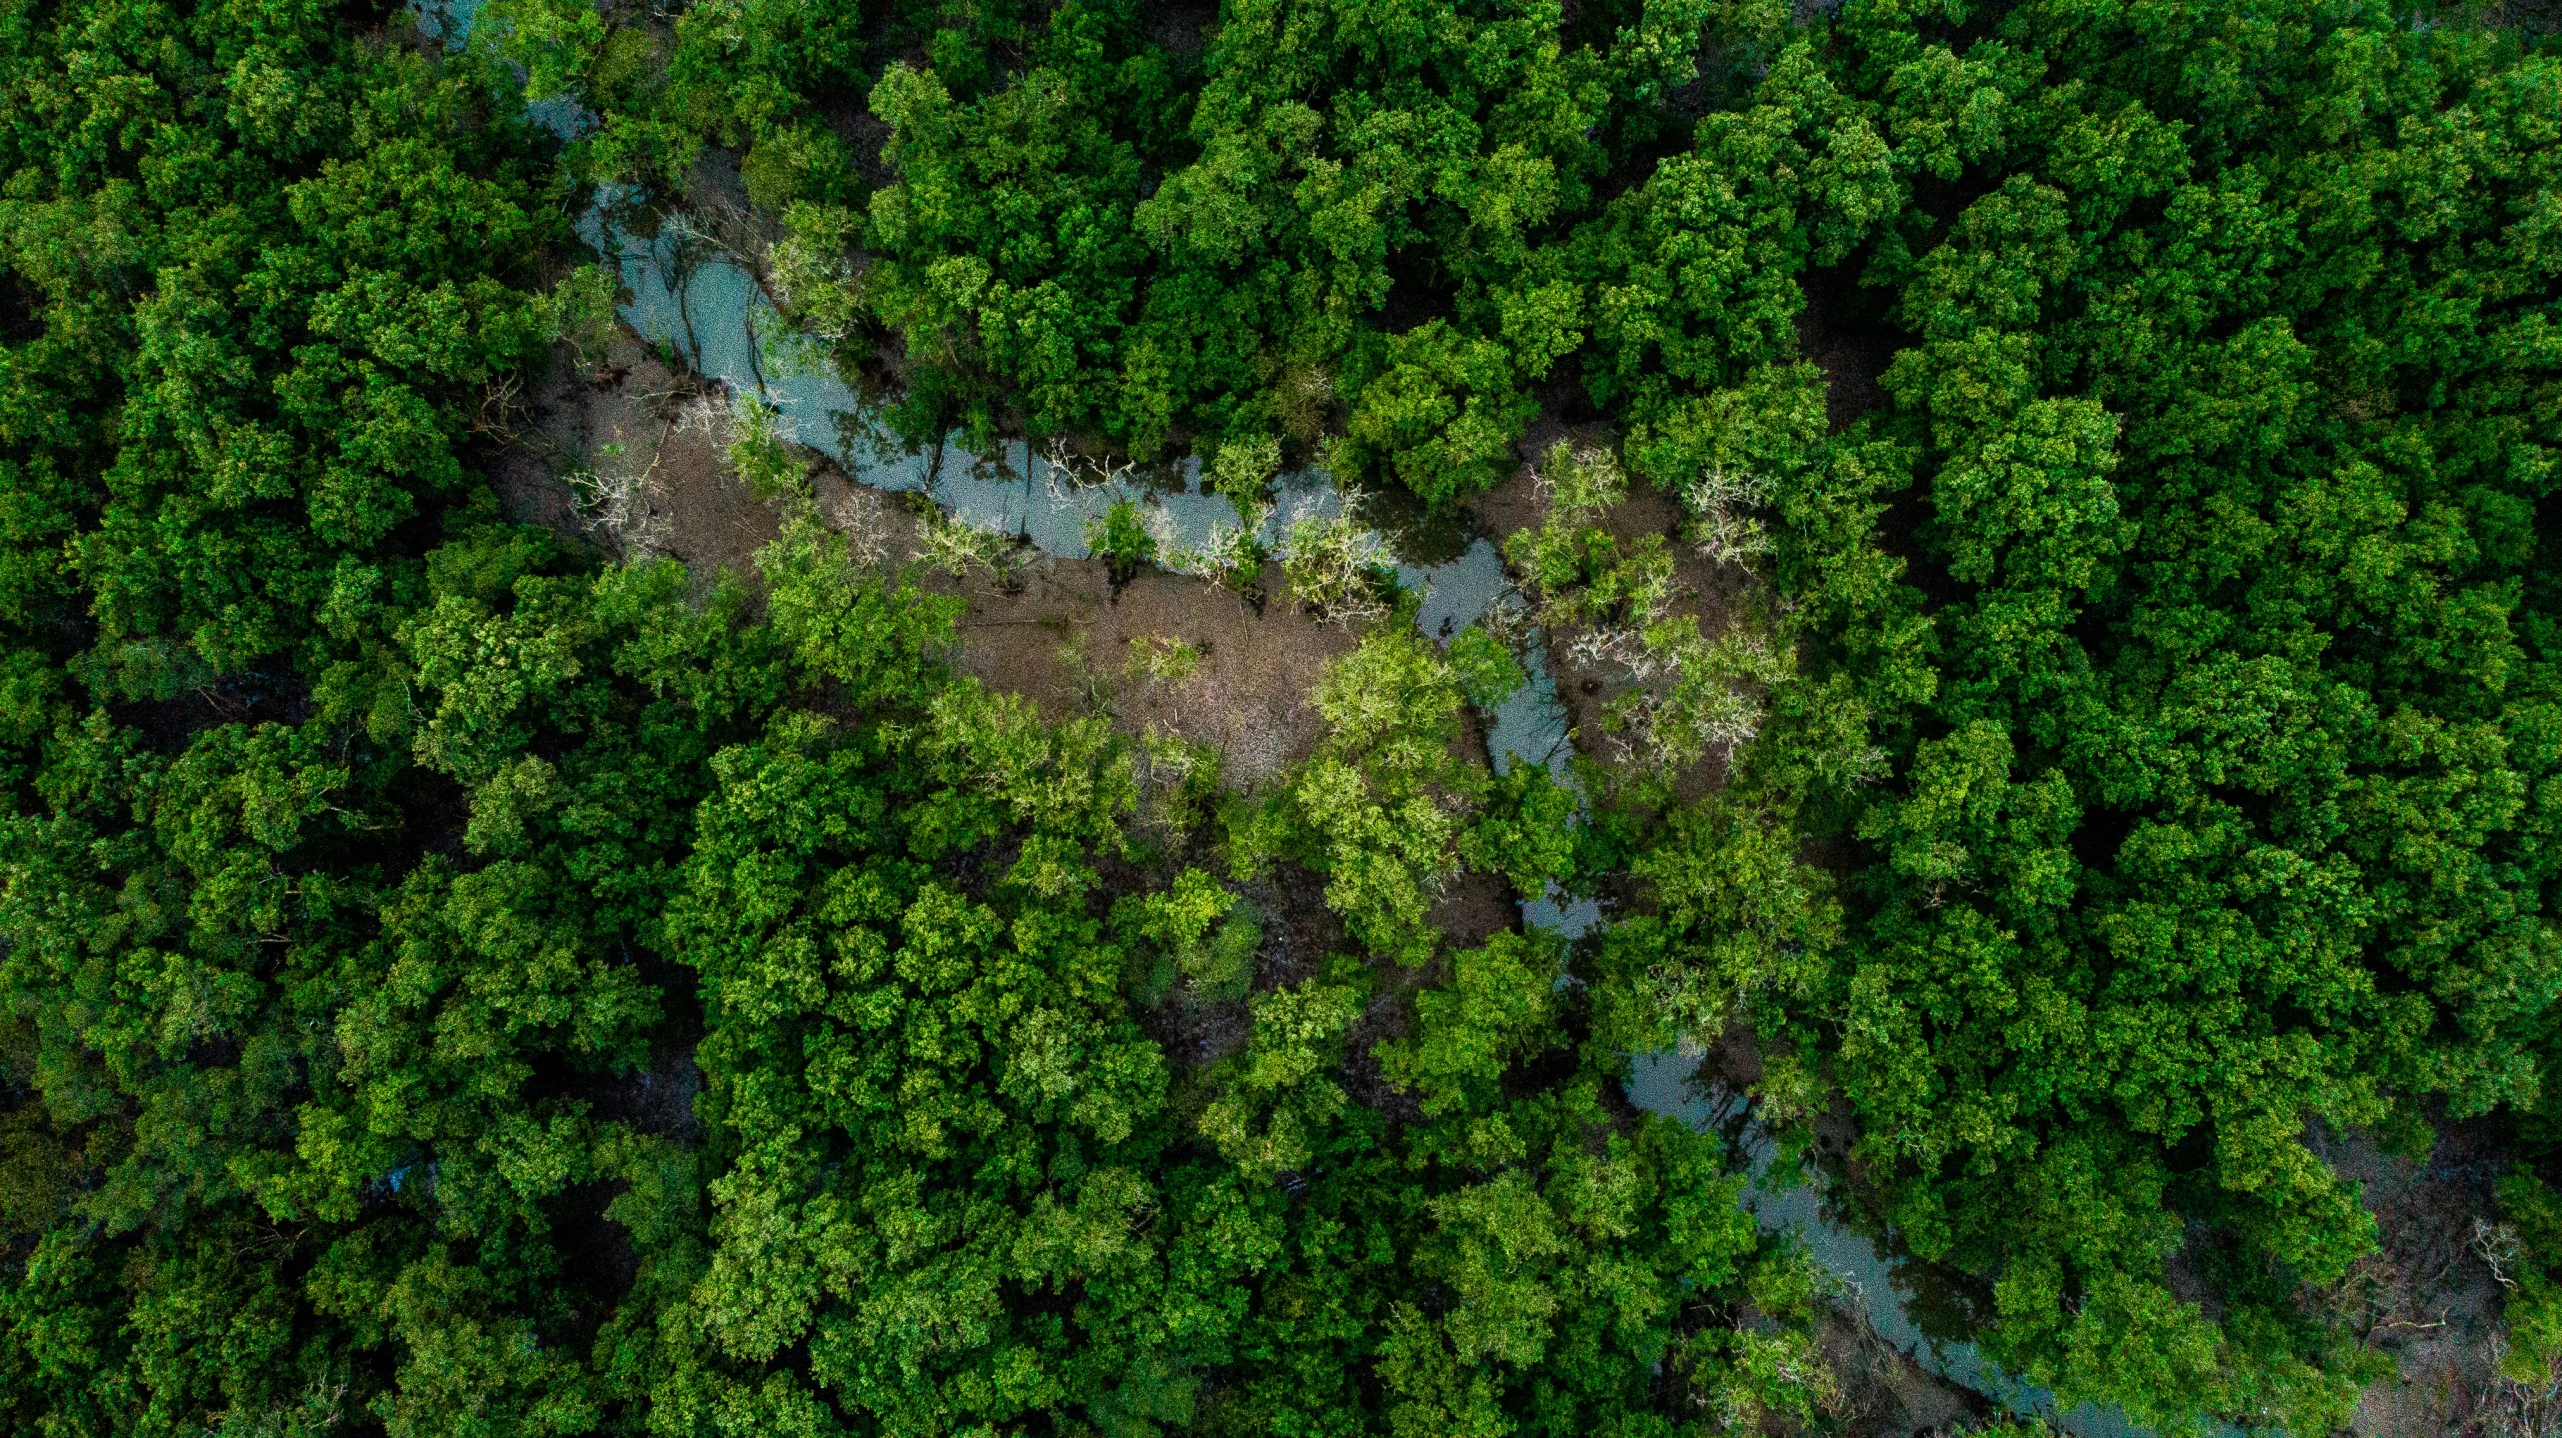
(1058, 634)
(625, 417)
(1389, 1016)
(529, 459)
(1713, 593)
(1885, 1390)
(1060, 637)
(715, 523)
(1299, 931)
(1196, 1035)
(1474, 908)
(2425, 1297)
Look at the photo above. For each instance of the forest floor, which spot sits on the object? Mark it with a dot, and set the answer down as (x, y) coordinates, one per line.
(628, 454)
(1715, 594)
(2426, 1298)
(1062, 637)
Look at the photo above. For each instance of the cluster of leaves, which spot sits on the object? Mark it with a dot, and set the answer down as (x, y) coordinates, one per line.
(2161, 753)
(2180, 690)
(956, 1186)
(1370, 231)
(335, 814)
(1609, 601)
(1388, 809)
(451, 986)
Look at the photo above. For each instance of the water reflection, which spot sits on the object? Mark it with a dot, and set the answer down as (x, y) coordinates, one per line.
(702, 304)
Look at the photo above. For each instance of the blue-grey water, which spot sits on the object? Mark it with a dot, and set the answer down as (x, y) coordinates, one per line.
(699, 301)
(1661, 1084)
(719, 319)
(727, 329)
(708, 308)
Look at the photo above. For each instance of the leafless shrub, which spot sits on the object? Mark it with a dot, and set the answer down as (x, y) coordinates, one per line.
(1717, 500)
(705, 412)
(1080, 471)
(1229, 558)
(616, 504)
(2515, 1407)
(2499, 1248)
(502, 412)
(320, 1409)
(1712, 701)
(958, 547)
(1333, 562)
(1508, 620)
(863, 517)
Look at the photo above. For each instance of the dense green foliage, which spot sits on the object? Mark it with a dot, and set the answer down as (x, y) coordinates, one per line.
(2221, 800)
(264, 999)
(455, 985)
(376, 878)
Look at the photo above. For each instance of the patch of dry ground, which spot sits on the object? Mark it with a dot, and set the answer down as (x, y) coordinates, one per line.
(627, 453)
(1057, 633)
(1885, 1390)
(622, 453)
(1713, 593)
(1065, 636)
(2425, 1298)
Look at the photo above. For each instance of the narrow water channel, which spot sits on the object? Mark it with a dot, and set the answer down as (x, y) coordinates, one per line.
(705, 306)
(714, 314)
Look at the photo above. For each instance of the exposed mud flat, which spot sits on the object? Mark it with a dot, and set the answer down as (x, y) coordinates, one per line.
(1883, 1390)
(629, 454)
(1055, 630)
(1063, 639)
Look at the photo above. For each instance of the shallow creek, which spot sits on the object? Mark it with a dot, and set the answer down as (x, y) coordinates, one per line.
(718, 318)
(705, 306)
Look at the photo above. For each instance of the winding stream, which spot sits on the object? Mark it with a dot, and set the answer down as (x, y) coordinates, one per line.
(717, 318)
(708, 308)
